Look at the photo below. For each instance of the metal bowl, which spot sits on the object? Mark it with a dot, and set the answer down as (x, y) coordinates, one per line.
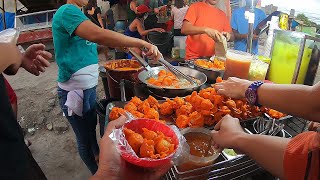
(211, 74)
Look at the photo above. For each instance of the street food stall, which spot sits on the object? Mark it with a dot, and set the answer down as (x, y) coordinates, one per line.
(153, 95)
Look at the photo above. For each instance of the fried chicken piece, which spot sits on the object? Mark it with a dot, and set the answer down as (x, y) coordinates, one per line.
(178, 102)
(137, 114)
(275, 114)
(196, 119)
(144, 107)
(182, 121)
(231, 104)
(134, 139)
(218, 116)
(164, 147)
(188, 98)
(162, 73)
(148, 134)
(116, 113)
(152, 114)
(184, 110)
(153, 102)
(217, 99)
(147, 149)
(166, 109)
(130, 107)
(167, 81)
(136, 101)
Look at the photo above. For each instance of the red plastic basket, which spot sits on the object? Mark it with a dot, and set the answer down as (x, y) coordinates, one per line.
(137, 125)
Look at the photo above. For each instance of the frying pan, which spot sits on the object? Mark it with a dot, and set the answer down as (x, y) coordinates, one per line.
(172, 92)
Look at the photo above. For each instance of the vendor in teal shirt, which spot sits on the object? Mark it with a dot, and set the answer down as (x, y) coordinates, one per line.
(240, 26)
(75, 38)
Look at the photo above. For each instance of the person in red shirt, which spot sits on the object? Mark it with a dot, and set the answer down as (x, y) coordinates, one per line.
(204, 24)
(293, 159)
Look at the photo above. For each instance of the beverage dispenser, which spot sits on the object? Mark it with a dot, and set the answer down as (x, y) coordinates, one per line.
(294, 58)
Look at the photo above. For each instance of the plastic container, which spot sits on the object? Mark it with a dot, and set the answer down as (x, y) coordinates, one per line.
(258, 70)
(194, 159)
(136, 125)
(182, 46)
(237, 64)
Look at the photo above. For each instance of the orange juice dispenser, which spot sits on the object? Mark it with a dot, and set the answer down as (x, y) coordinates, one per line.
(290, 58)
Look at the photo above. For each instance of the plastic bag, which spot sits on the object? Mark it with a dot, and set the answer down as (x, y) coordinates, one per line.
(123, 147)
(9, 36)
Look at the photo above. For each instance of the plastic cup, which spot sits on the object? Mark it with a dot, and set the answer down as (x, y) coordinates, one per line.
(237, 64)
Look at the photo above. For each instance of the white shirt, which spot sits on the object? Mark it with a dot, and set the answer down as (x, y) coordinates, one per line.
(83, 79)
(178, 16)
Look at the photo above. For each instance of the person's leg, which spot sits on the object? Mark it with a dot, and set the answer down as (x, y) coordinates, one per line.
(89, 111)
(81, 128)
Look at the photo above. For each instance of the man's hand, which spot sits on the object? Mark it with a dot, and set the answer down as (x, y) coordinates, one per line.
(214, 34)
(233, 87)
(226, 132)
(152, 52)
(112, 166)
(227, 35)
(35, 59)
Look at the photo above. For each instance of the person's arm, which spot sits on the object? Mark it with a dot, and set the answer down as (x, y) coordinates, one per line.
(10, 59)
(296, 100)
(111, 38)
(267, 151)
(189, 29)
(144, 32)
(239, 36)
(133, 6)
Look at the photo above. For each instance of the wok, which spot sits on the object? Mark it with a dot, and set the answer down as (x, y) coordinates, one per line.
(171, 92)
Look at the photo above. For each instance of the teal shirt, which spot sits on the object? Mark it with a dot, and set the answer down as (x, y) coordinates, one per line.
(72, 53)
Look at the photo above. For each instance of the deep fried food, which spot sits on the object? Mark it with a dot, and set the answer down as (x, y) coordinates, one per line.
(275, 114)
(149, 144)
(231, 104)
(164, 147)
(196, 119)
(137, 114)
(182, 121)
(136, 101)
(147, 149)
(178, 102)
(184, 110)
(166, 109)
(152, 114)
(148, 134)
(215, 64)
(134, 139)
(144, 107)
(116, 113)
(153, 102)
(219, 79)
(130, 107)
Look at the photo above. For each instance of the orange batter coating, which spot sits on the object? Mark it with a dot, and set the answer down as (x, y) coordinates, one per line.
(182, 121)
(137, 114)
(151, 114)
(116, 113)
(147, 149)
(184, 110)
(149, 144)
(208, 120)
(136, 101)
(144, 107)
(166, 109)
(153, 102)
(215, 64)
(134, 139)
(196, 119)
(178, 102)
(130, 107)
(148, 134)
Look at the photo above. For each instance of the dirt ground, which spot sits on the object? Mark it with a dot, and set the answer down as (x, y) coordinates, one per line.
(55, 149)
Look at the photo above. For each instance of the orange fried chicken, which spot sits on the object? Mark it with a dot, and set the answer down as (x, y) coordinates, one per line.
(116, 113)
(182, 121)
(134, 139)
(166, 109)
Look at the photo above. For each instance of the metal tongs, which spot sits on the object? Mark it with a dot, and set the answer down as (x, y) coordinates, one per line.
(165, 64)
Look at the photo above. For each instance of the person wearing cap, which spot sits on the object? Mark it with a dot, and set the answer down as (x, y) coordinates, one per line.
(205, 24)
(136, 28)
